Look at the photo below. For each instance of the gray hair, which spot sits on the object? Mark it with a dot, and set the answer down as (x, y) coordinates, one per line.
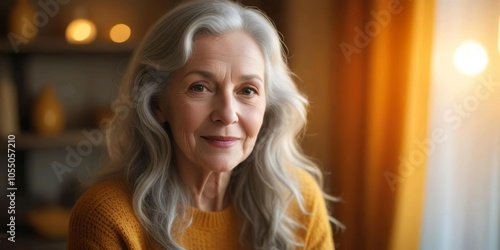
(140, 148)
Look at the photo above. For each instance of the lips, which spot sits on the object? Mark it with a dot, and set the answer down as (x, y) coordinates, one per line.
(221, 141)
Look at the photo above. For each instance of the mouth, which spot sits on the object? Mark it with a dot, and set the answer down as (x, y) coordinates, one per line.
(221, 141)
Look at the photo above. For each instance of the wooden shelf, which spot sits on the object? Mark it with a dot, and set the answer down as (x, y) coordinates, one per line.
(52, 45)
(31, 140)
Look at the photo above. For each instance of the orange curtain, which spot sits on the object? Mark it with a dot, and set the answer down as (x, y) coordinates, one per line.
(380, 94)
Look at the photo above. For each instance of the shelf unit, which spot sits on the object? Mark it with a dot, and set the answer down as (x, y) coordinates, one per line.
(30, 146)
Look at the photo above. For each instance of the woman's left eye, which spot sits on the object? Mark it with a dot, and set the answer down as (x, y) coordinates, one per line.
(248, 91)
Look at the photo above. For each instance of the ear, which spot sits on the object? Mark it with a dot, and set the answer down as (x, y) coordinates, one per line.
(159, 111)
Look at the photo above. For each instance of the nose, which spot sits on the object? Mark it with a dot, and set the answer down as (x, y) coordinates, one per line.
(225, 109)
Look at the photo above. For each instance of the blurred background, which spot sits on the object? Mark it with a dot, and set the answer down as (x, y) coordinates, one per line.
(404, 115)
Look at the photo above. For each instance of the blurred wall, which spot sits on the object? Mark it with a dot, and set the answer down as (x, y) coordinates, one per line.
(308, 27)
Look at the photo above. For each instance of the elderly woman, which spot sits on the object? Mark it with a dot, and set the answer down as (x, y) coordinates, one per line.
(204, 151)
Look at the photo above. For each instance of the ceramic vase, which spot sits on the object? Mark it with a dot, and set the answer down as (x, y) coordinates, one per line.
(48, 116)
(21, 20)
(9, 118)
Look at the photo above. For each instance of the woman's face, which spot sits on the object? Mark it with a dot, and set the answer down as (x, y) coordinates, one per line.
(215, 104)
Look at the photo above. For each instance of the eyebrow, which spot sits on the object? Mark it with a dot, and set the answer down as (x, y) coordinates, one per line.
(210, 75)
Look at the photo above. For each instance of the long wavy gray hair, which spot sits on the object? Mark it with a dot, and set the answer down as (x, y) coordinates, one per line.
(140, 148)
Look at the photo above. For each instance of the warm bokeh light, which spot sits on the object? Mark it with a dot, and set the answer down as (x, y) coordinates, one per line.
(470, 58)
(499, 35)
(119, 33)
(80, 31)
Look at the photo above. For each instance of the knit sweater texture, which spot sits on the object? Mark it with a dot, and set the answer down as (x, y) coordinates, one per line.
(103, 218)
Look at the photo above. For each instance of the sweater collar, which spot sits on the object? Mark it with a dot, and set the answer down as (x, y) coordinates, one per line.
(204, 219)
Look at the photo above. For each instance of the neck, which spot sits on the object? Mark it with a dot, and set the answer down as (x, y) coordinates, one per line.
(207, 188)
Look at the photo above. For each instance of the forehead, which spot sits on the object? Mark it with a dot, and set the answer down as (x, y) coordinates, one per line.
(234, 47)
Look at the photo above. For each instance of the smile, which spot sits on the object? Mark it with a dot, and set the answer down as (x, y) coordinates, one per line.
(221, 141)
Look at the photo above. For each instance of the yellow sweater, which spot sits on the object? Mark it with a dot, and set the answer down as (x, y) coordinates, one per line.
(103, 218)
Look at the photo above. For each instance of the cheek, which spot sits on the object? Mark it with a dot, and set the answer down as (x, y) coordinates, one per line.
(185, 117)
(253, 122)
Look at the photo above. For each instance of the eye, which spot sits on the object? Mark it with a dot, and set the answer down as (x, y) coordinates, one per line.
(198, 88)
(248, 91)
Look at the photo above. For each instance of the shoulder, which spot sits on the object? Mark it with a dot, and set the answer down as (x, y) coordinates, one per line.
(309, 187)
(311, 194)
(316, 231)
(104, 217)
(104, 198)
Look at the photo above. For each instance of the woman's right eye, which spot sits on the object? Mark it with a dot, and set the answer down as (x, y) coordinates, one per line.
(199, 88)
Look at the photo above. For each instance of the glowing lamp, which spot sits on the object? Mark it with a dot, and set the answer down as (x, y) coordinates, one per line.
(470, 58)
(119, 33)
(80, 31)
